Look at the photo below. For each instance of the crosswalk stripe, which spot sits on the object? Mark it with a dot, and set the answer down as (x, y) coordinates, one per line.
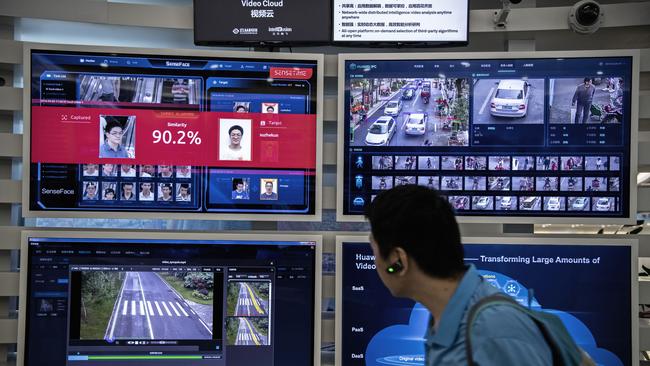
(141, 307)
(182, 310)
(132, 307)
(125, 307)
(158, 307)
(166, 308)
(171, 304)
(150, 308)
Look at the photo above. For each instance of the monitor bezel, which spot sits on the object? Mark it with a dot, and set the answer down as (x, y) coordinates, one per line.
(270, 216)
(633, 244)
(24, 261)
(502, 219)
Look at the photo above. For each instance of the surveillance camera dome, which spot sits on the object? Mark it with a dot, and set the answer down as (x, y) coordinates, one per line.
(586, 17)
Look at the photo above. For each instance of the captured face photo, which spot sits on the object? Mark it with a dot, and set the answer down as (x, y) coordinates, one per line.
(240, 189)
(117, 137)
(90, 170)
(269, 189)
(235, 139)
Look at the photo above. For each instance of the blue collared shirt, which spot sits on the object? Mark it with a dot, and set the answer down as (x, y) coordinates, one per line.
(106, 152)
(501, 335)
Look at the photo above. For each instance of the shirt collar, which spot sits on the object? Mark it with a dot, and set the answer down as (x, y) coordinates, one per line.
(107, 146)
(452, 315)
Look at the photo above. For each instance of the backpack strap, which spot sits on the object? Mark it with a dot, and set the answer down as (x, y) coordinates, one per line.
(505, 300)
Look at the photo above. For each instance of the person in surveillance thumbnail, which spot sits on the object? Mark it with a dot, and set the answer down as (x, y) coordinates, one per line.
(112, 145)
(583, 96)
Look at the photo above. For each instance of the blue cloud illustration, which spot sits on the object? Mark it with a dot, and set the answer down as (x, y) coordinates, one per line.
(403, 344)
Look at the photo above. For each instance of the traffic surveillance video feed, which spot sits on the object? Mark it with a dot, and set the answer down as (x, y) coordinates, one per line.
(522, 138)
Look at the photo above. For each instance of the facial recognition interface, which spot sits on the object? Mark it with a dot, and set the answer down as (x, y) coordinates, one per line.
(133, 302)
(261, 21)
(148, 133)
(379, 329)
(401, 21)
(525, 129)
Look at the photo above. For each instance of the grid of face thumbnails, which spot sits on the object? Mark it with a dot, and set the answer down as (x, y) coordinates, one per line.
(506, 183)
(136, 183)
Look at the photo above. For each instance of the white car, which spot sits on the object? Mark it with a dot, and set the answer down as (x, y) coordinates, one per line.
(381, 131)
(553, 204)
(603, 204)
(580, 204)
(416, 124)
(393, 108)
(510, 99)
(482, 203)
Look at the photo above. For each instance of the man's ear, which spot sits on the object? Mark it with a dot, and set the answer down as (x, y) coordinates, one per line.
(400, 255)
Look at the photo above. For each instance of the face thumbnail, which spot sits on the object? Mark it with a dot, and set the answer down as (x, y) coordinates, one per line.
(90, 170)
(428, 112)
(508, 101)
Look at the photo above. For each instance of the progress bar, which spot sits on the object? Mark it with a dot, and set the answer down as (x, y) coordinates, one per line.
(134, 357)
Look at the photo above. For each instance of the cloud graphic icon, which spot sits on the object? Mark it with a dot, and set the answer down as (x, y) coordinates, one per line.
(403, 344)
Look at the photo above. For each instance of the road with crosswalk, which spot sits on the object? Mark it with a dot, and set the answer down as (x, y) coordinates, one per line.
(249, 303)
(248, 335)
(148, 308)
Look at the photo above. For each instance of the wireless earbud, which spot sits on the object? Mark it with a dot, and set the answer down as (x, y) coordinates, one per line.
(395, 267)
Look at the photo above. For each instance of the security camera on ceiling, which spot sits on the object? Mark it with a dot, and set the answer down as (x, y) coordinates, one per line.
(586, 17)
(501, 16)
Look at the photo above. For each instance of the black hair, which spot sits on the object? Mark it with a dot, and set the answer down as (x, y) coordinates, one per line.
(236, 127)
(111, 123)
(268, 182)
(272, 108)
(185, 185)
(109, 190)
(237, 181)
(242, 107)
(127, 184)
(421, 222)
(587, 79)
(165, 185)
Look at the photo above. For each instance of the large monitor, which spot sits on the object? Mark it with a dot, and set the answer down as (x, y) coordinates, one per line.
(509, 137)
(171, 134)
(262, 22)
(398, 22)
(193, 299)
(590, 284)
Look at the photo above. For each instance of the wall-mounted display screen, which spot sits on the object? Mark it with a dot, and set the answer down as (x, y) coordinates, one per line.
(377, 329)
(269, 22)
(398, 21)
(128, 302)
(518, 137)
(151, 133)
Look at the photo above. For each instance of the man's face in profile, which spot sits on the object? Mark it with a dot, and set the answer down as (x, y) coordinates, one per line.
(235, 137)
(269, 187)
(240, 187)
(146, 187)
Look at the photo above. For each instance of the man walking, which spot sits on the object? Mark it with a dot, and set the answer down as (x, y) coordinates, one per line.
(583, 96)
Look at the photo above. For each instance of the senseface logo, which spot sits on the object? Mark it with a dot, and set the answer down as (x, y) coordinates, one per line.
(353, 66)
(235, 31)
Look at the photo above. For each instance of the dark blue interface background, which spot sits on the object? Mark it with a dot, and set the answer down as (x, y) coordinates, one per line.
(499, 137)
(258, 304)
(595, 305)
